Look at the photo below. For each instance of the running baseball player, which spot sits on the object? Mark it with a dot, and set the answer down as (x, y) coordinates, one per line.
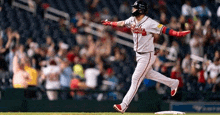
(143, 28)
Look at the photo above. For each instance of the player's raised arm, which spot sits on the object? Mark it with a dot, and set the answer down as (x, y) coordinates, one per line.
(114, 24)
(157, 28)
(172, 32)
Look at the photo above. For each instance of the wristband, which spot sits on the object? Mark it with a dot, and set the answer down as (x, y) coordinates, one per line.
(114, 24)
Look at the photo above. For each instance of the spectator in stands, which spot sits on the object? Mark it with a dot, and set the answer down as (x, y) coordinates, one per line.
(173, 23)
(217, 44)
(73, 29)
(83, 59)
(103, 45)
(196, 45)
(28, 43)
(7, 35)
(209, 42)
(91, 46)
(173, 54)
(91, 5)
(49, 42)
(51, 54)
(5, 49)
(111, 80)
(186, 64)
(216, 87)
(177, 74)
(105, 14)
(91, 77)
(74, 85)
(201, 79)
(39, 58)
(87, 16)
(78, 70)
(16, 36)
(118, 55)
(209, 85)
(65, 78)
(20, 77)
(160, 60)
(218, 13)
(163, 19)
(162, 6)
(72, 53)
(51, 74)
(187, 9)
(3, 72)
(62, 24)
(213, 70)
(96, 17)
(63, 47)
(192, 79)
(202, 11)
(13, 42)
(217, 55)
(33, 82)
(124, 8)
(21, 53)
(32, 49)
(182, 23)
(9, 58)
(161, 87)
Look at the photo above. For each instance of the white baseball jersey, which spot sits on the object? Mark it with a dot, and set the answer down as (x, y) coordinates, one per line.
(142, 33)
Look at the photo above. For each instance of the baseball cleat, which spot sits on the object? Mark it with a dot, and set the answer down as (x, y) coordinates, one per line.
(118, 108)
(174, 90)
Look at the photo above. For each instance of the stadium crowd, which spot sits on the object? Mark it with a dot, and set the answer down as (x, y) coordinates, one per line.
(90, 64)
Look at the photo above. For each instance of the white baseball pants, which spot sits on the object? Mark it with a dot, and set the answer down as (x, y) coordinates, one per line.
(142, 70)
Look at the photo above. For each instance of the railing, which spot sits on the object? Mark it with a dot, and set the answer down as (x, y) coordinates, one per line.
(49, 14)
(41, 94)
(181, 95)
(23, 4)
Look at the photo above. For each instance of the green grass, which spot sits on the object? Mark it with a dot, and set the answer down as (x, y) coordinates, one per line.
(87, 113)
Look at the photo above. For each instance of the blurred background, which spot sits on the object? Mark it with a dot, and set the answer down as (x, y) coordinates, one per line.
(71, 62)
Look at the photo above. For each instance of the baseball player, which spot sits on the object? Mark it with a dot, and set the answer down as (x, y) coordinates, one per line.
(143, 28)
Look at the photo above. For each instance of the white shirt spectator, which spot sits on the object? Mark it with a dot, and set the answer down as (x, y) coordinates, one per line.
(91, 76)
(52, 80)
(196, 46)
(186, 10)
(202, 11)
(218, 12)
(173, 53)
(105, 14)
(214, 71)
(124, 8)
(186, 65)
